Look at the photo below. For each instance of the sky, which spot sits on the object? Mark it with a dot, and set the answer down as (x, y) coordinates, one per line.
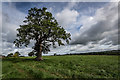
(93, 25)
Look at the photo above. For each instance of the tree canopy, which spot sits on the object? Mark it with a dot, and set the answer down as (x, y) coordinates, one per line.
(44, 29)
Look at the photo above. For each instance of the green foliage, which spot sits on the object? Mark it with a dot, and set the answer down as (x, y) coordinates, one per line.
(43, 28)
(16, 54)
(10, 55)
(31, 54)
(74, 66)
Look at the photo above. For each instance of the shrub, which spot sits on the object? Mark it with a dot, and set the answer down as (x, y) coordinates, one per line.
(31, 54)
(10, 55)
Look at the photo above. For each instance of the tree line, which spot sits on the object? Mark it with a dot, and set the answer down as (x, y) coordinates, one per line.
(16, 54)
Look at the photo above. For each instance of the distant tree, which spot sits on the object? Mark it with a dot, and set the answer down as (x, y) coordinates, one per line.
(22, 56)
(44, 29)
(31, 54)
(16, 54)
(10, 55)
(55, 54)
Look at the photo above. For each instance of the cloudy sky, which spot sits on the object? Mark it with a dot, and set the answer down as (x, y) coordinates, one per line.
(93, 25)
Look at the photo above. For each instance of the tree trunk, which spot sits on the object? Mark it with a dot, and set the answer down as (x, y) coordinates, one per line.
(39, 56)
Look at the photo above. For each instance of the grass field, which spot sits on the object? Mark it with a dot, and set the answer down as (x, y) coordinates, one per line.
(73, 66)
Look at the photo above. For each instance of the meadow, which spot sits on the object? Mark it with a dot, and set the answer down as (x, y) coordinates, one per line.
(68, 66)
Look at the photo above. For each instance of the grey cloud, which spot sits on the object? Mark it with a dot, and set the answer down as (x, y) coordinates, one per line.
(8, 31)
(90, 47)
(11, 19)
(106, 22)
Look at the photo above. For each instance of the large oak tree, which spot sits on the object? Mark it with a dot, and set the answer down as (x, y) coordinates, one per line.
(44, 29)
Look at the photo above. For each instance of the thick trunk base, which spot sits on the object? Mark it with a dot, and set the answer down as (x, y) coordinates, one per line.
(39, 53)
(38, 58)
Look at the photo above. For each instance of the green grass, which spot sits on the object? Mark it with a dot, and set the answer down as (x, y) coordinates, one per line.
(0, 69)
(73, 66)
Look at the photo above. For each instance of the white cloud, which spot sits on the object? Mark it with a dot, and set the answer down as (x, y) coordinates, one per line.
(114, 0)
(67, 17)
(71, 5)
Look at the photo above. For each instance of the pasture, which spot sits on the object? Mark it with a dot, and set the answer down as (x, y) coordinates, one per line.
(69, 66)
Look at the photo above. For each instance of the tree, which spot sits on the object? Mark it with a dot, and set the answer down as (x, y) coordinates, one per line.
(10, 55)
(44, 29)
(55, 54)
(31, 54)
(16, 54)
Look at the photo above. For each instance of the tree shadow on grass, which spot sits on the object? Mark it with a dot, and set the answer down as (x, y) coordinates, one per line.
(25, 59)
(15, 60)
